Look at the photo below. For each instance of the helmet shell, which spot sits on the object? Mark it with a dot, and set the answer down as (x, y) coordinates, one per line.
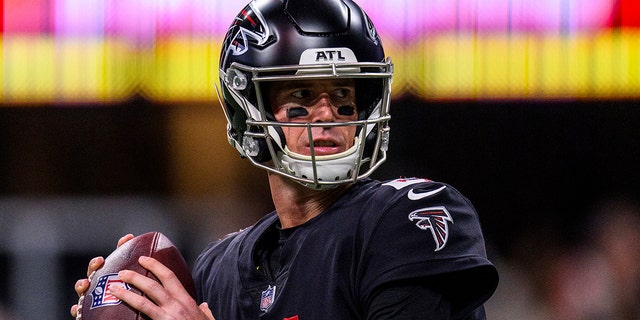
(276, 33)
(282, 38)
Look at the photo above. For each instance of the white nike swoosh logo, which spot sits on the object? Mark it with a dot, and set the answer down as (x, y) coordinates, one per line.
(417, 196)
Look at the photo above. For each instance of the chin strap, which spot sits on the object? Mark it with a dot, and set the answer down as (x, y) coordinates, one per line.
(328, 168)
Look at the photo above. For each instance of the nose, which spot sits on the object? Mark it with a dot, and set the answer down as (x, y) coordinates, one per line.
(322, 110)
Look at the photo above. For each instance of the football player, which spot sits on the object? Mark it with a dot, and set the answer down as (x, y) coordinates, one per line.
(305, 86)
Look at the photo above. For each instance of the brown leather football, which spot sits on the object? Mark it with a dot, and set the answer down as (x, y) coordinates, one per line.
(98, 303)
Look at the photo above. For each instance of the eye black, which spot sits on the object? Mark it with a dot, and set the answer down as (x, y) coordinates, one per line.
(346, 110)
(297, 112)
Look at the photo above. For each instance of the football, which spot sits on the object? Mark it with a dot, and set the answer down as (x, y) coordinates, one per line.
(98, 303)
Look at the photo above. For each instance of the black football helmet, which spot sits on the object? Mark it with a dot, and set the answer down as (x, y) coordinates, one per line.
(289, 40)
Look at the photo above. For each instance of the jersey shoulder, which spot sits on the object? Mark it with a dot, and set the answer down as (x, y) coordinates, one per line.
(211, 260)
(427, 213)
(212, 254)
(418, 229)
(395, 197)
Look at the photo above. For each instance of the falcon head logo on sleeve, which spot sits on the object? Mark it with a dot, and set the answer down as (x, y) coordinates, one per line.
(435, 219)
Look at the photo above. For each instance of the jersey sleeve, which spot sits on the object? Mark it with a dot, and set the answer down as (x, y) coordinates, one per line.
(205, 265)
(428, 232)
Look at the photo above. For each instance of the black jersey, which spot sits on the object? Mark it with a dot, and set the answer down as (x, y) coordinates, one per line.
(376, 233)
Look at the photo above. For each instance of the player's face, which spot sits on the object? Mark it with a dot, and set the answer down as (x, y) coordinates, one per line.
(315, 101)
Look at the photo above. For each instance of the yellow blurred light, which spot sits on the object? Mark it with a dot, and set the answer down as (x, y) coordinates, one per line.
(43, 69)
(28, 69)
(181, 69)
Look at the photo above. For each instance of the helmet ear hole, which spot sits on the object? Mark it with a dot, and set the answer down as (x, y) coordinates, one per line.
(260, 149)
(263, 152)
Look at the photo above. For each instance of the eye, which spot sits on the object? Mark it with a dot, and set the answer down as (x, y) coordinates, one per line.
(341, 92)
(301, 94)
(342, 96)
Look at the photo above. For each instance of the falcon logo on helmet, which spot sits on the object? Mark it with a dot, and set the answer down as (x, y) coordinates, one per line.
(436, 220)
(249, 25)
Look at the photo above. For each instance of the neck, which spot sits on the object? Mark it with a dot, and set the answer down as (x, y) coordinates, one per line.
(297, 204)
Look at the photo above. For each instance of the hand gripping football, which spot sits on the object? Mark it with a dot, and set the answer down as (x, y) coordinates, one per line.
(98, 303)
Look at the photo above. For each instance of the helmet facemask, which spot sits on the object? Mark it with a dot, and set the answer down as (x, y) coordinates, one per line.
(262, 140)
(273, 40)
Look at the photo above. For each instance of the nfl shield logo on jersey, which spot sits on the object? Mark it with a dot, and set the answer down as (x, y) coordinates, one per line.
(266, 300)
(102, 295)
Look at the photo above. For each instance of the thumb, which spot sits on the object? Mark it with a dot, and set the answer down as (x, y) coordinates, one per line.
(204, 307)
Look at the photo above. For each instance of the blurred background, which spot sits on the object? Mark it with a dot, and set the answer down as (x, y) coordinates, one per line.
(109, 124)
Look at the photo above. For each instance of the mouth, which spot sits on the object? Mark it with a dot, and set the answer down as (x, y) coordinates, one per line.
(324, 147)
(324, 144)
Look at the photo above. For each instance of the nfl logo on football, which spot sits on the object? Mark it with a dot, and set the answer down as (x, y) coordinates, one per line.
(267, 298)
(102, 294)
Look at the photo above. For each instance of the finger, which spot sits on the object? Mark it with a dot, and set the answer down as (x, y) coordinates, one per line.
(138, 302)
(204, 307)
(152, 288)
(74, 310)
(81, 286)
(168, 281)
(164, 274)
(124, 239)
(94, 265)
